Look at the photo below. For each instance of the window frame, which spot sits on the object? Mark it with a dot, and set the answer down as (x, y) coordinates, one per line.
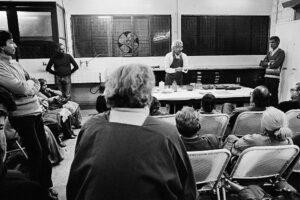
(114, 16)
(215, 51)
(12, 8)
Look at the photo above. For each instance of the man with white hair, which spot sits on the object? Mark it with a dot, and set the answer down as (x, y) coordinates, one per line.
(176, 63)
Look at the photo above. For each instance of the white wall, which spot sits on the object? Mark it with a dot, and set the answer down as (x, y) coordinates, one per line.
(170, 7)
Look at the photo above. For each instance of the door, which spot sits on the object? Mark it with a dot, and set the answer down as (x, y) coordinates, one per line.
(290, 43)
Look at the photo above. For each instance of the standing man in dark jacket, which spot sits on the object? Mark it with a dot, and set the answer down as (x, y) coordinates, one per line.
(62, 69)
(273, 64)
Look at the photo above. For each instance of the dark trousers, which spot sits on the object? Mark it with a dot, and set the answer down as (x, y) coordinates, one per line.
(15, 186)
(67, 127)
(64, 85)
(177, 76)
(32, 133)
(272, 84)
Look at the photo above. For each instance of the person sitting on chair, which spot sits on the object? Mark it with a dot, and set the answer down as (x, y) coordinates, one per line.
(155, 108)
(294, 103)
(208, 104)
(188, 125)
(125, 153)
(56, 100)
(101, 104)
(274, 132)
(260, 99)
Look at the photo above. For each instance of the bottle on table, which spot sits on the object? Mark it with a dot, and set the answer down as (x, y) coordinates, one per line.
(174, 86)
(161, 85)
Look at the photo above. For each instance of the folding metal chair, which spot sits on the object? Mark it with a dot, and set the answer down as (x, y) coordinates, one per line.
(167, 118)
(247, 122)
(208, 167)
(12, 138)
(19, 148)
(213, 124)
(293, 117)
(263, 164)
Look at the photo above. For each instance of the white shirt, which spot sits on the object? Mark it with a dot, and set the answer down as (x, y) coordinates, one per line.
(169, 60)
(132, 116)
(274, 51)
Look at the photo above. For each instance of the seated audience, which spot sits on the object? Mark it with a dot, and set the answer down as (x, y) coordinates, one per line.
(155, 108)
(208, 104)
(56, 101)
(275, 132)
(294, 103)
(13, 184)
(55, 155)
(53, 115)
(259, 100)
(125, 153)
(188, 125)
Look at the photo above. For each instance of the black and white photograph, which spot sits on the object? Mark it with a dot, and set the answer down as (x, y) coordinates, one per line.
(149, 100)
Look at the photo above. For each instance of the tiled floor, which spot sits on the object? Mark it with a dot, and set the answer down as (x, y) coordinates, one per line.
(60, 172)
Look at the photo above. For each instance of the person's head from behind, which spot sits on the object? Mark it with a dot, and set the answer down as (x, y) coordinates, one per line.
(155, 106)
(101, 104)
(187, 122)
(274, 42)
(260, 97)
(208, 102)
(7, 45)
(43, 84)
(177, 47)
(295, 93)
(274, 124)
(130, 86)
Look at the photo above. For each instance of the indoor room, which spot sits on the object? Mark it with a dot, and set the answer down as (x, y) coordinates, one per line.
(149, 99)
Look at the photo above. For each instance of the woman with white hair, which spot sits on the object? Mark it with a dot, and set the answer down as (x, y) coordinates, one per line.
(176, 63)
(126, 154)
(274, 132)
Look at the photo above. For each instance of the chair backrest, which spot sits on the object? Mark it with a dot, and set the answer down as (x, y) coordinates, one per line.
(213, 124)
(208, 166)
(263, 162)
(297, 167)
(167, 118)
(293, 117)
(247, 122)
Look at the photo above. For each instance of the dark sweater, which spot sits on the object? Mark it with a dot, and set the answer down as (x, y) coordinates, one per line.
(62, 65)
(288, 105)
(121, 161)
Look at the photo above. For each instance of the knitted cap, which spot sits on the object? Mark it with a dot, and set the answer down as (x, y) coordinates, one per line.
(273, 119)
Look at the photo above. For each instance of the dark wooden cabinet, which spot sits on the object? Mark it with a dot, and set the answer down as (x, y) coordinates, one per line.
(246, 77)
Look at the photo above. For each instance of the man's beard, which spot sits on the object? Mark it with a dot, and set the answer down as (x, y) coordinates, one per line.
(9, 52)
(59, 54)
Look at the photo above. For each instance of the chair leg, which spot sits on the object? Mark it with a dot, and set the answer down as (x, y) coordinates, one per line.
(218, 193)
(19, 146)
(224, 193)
